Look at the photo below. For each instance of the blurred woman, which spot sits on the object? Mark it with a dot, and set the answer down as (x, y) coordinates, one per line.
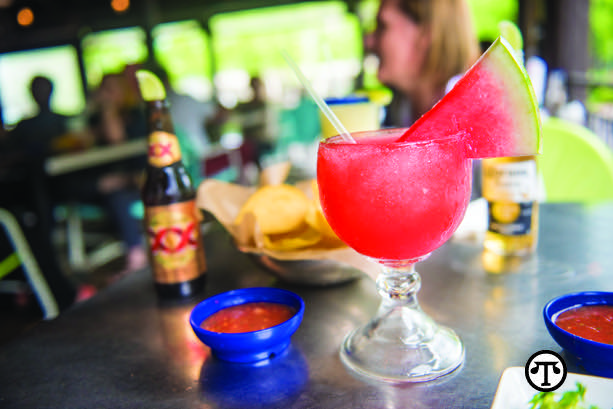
(421, 46)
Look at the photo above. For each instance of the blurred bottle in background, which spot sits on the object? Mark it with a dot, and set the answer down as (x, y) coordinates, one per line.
(510, 186)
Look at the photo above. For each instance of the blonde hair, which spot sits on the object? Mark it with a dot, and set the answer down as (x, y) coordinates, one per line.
(454, 46)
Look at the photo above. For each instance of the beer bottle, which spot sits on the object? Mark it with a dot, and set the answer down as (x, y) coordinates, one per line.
(510, 186)
(172, 220)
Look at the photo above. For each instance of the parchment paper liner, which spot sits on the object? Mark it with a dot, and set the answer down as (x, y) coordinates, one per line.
(224, 200)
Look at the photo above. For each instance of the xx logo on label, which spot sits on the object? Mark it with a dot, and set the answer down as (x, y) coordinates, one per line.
(173, 239)
(159, 150)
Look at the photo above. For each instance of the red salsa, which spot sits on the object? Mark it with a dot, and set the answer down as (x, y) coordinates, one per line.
(251, 316)
(593, 322)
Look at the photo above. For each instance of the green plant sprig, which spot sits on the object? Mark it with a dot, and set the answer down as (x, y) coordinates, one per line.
(569, 400)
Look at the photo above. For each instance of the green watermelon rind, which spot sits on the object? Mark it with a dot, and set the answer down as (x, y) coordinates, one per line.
(507, 53)
(494, 132)
(512, 34)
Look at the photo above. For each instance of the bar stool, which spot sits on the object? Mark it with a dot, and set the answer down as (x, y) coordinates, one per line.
(80, 258)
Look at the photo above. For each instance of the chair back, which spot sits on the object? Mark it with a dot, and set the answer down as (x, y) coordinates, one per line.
(576, 165)
(21, 255)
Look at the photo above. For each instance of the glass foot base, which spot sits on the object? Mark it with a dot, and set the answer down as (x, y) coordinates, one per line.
(391, 355)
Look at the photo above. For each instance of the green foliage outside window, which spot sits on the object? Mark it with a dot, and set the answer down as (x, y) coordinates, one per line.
(601, 42)
(487, 14)
(183, 50)
(311, 32)
(106, 52)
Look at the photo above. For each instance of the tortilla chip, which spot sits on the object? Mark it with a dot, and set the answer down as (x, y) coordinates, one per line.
(277, 208)
(298, 239)
(316, 219)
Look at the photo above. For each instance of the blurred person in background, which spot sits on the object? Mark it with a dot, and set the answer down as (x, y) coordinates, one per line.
(215, 123)
(189, 116)
(115, 114)
(258, 120)
(23, 183)
(35, 135)
(421, 45)
(115, 117)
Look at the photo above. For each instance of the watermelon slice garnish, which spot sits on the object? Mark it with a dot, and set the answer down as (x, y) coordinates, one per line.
(493, 106)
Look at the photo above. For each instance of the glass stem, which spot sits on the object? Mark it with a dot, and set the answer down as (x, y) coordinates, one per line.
(399, 316)
(398, 283)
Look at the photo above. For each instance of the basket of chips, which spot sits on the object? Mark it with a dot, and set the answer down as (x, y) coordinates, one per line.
(282, 227)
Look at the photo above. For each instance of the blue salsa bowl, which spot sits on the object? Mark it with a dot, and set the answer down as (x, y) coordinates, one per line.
(595, 357)
(248, 346)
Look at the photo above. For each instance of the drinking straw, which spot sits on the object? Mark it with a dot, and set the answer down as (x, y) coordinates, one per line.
(342, 131)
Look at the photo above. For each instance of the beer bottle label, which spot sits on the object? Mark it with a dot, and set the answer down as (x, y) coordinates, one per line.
(175, 243)
(164, 149)
(510, 218)
(510, 181)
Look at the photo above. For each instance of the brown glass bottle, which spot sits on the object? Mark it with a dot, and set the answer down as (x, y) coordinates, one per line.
(172, 220)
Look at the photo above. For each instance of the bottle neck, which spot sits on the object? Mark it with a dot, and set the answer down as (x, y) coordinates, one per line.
(158, 117)
(164, 149)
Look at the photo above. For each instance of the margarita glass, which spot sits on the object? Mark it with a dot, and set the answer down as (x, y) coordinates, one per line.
(396, 202)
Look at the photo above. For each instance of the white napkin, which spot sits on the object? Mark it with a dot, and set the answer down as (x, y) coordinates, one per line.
(474, 224)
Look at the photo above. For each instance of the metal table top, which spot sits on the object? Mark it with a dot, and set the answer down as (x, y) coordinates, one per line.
(124, 349)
